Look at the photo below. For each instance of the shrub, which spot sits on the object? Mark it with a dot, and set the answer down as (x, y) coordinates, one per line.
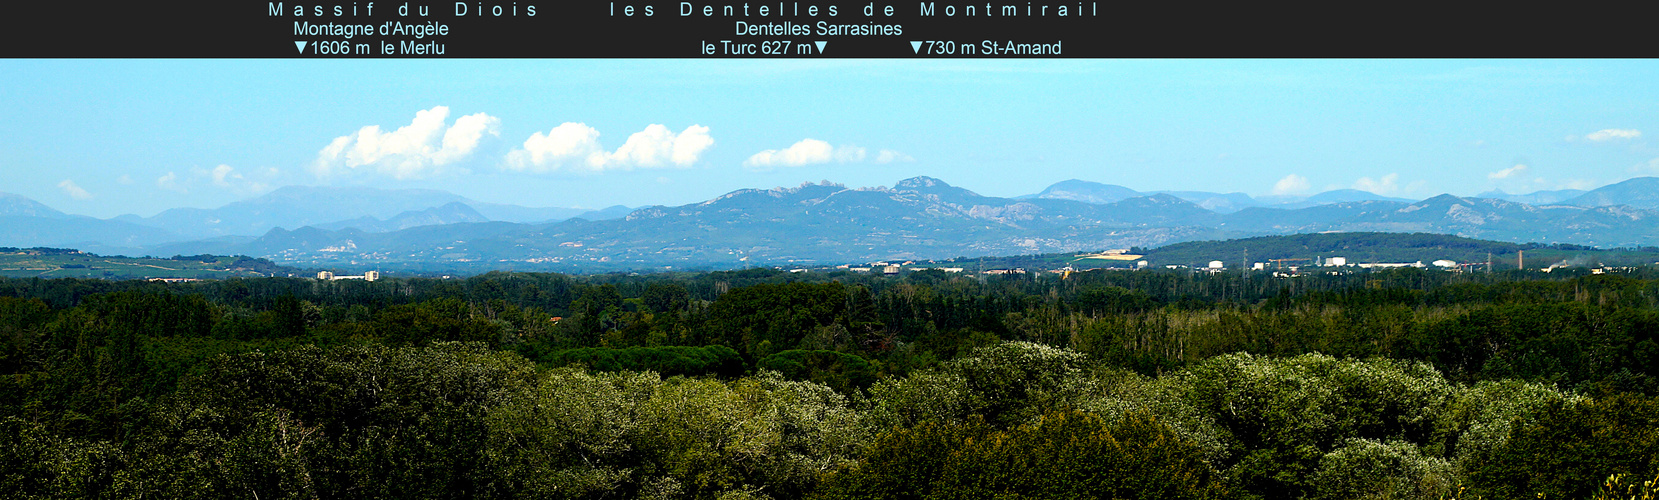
(1562, 451)
(1364, 468)
(838, 370)
(1060, 455)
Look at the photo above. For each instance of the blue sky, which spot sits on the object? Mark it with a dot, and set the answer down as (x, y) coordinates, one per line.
(103, 138)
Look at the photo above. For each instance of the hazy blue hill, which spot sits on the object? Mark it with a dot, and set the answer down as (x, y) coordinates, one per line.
(451, 213)
(1640, 192)
(19, 205)
(1339, 196)
(1218, 202)
(916, 218)
(421, 243)
(1505, 220)
(25, 222)
(1536, 197)
(77, 232)
(327, 206)
(222, 245)
(1158, 210)
(610, 212)
(516, 213)
(1224, 203)
(1309, 219)
(1087, 192)
(296, 206)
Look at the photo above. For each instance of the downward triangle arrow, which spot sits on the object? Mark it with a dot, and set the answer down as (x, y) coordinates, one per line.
(916, 47)
(300, 44)
(821, 46)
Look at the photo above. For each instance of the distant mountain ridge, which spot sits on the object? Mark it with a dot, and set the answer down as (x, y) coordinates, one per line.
(1534, 198)
(1098, 193)
(924, 218)
(295, 206)
(367, 208)
(916, 218)
(451, 213)
(1640, 192)
(19, 205)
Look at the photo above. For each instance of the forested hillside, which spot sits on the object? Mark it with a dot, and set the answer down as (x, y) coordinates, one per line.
(1405, 383)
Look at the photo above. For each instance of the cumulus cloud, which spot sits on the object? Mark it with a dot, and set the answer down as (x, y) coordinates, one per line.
(567, 143)
(223, 174)
(1387, 185)
(1292, 184)
(891, 156)
(813, 151)
(1516, 170)
(74, 191)
(226, 177)
(423, 148)
(223, 177)
(805, 152)
(575, 146)
(845, 154)
(170, 182)
(1612, 134)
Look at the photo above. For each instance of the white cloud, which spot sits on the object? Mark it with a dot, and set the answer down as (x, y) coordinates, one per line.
(74, 191)
(813, 151)
(575, 146)
(1518, 169)
(170, 182)
(1611, 134)
(222, 175)
(805, 152)
(891, 156)
(1386, 185)
(421, 149)
(568, 142)
(1648, 166)
(124, 179)
(1292, 184)
(846, 154)
(656, 146)
(226, 177)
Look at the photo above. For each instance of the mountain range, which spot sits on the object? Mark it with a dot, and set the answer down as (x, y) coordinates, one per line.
(917, 218)
(25, 222)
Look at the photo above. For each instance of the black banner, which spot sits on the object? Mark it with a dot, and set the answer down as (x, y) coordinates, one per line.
(810, 29)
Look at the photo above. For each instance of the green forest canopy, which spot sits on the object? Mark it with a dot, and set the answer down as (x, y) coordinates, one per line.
(1408, 383)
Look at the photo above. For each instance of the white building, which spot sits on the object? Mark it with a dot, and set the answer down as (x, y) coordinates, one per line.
(366, 276)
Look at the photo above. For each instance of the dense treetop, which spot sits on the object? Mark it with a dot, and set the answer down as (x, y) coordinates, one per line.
(1405, 383)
